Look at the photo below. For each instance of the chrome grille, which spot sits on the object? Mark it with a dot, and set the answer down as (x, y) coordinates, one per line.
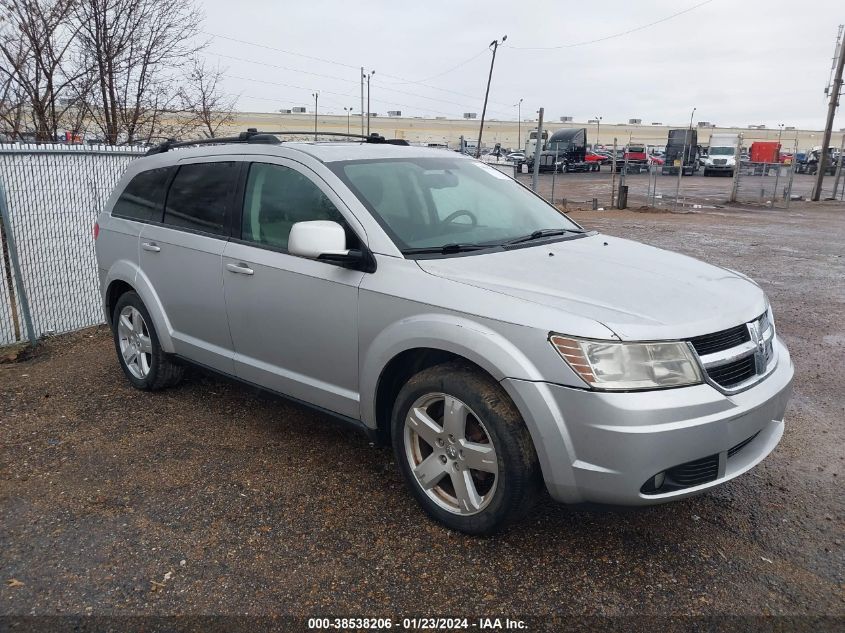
(720, 161)
(739, 357)
(719, 341)
(734, 373)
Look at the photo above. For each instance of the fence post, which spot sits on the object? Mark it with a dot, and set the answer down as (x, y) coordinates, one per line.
(9, 247)
(613, 176)
(737, 166)
(839, 167)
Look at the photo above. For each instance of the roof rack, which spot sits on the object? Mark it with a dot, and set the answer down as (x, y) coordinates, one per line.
(253, 135)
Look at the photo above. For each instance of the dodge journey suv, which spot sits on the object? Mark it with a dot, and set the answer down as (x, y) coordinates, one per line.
(440, 306)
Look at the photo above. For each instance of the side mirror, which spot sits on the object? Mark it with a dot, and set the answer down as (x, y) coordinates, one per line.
(316, 238)
(326, 241)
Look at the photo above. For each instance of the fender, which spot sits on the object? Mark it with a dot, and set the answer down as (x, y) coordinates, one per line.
(500, 358)
(124, 270)
(459, 335)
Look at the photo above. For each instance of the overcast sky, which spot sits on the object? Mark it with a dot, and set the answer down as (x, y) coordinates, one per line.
(738, 63)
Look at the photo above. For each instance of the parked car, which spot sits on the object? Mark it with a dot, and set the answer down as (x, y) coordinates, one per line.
(654, 159)
(438, 305)
(515, 157)
(597, 157)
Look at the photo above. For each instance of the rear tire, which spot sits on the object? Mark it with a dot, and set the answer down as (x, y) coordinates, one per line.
(145, 364)
(463, 449)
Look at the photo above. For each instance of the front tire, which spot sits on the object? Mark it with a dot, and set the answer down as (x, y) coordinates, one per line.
(463, 449)
(144, 363)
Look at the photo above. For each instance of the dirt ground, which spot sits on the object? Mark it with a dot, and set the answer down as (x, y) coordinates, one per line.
(213, 498)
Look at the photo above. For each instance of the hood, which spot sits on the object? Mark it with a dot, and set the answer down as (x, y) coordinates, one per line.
(640, 292)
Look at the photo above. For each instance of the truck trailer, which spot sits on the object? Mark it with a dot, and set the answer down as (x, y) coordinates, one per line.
(681, 152)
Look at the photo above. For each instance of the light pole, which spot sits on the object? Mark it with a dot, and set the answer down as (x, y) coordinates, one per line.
(598, 129)
(348, 114)
(495, 45)
(518, 105)
(368, 76)
(780, 132)
(316, 96)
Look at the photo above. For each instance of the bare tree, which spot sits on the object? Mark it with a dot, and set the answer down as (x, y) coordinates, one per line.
(136, 49)
(36, 37)
(12, 107)
(207, 107)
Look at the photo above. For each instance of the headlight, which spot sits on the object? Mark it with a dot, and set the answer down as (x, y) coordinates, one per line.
(617, 366)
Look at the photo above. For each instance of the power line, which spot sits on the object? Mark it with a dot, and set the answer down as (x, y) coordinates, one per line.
(337, 94)
(446, 72)
(342, 79)
(281, 50)
(610, 37)
(356, 68)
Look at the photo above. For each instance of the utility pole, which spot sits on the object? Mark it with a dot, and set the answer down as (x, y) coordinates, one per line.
(537, 148)
(598, 131)
(835, 89)
(362, 99)
(519, 124)
(495, 45)
(316, 96)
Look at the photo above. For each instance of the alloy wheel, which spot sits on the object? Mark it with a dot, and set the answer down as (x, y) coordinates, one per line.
(451, 454)
(135, 344)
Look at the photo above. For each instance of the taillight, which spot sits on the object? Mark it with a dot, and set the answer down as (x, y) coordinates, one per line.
(96, 230)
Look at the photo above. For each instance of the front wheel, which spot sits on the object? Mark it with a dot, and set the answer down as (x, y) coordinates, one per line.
(464, 450)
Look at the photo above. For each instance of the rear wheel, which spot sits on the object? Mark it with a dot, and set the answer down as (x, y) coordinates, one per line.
(143, 361)
(464, 450)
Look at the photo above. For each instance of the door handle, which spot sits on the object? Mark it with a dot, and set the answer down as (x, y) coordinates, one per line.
(240, 269)
(151, 246)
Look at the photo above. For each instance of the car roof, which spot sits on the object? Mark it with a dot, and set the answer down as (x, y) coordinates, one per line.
(326, 152)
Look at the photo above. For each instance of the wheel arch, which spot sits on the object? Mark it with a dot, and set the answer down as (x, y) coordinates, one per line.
(125, 277)
(409, 346)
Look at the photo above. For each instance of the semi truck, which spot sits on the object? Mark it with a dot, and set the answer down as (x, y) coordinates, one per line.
(681, 152)
(565, 150)
(634, 158)
(721, 155)
(531, 142)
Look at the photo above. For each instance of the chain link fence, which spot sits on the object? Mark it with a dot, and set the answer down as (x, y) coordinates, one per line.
(53, 195)
(768, 184)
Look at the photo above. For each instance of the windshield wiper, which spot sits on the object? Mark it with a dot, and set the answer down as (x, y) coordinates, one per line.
(536, 235)
(446, 249)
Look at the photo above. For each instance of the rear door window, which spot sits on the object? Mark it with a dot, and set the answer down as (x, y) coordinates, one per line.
(143, 198)
(200, 197)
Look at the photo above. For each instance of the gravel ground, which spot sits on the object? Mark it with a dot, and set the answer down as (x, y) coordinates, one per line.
(214, 498)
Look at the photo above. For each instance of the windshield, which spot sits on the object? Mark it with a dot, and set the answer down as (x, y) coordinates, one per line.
(722, 151)
(560, 146)
(439, 201)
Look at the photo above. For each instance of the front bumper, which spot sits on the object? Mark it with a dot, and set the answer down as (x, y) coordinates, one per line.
(603, 447)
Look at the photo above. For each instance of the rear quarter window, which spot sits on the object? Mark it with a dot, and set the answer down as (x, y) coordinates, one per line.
(200, 197)
(143, 197)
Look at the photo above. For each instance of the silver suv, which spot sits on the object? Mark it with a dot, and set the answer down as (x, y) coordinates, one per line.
(436, 304)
